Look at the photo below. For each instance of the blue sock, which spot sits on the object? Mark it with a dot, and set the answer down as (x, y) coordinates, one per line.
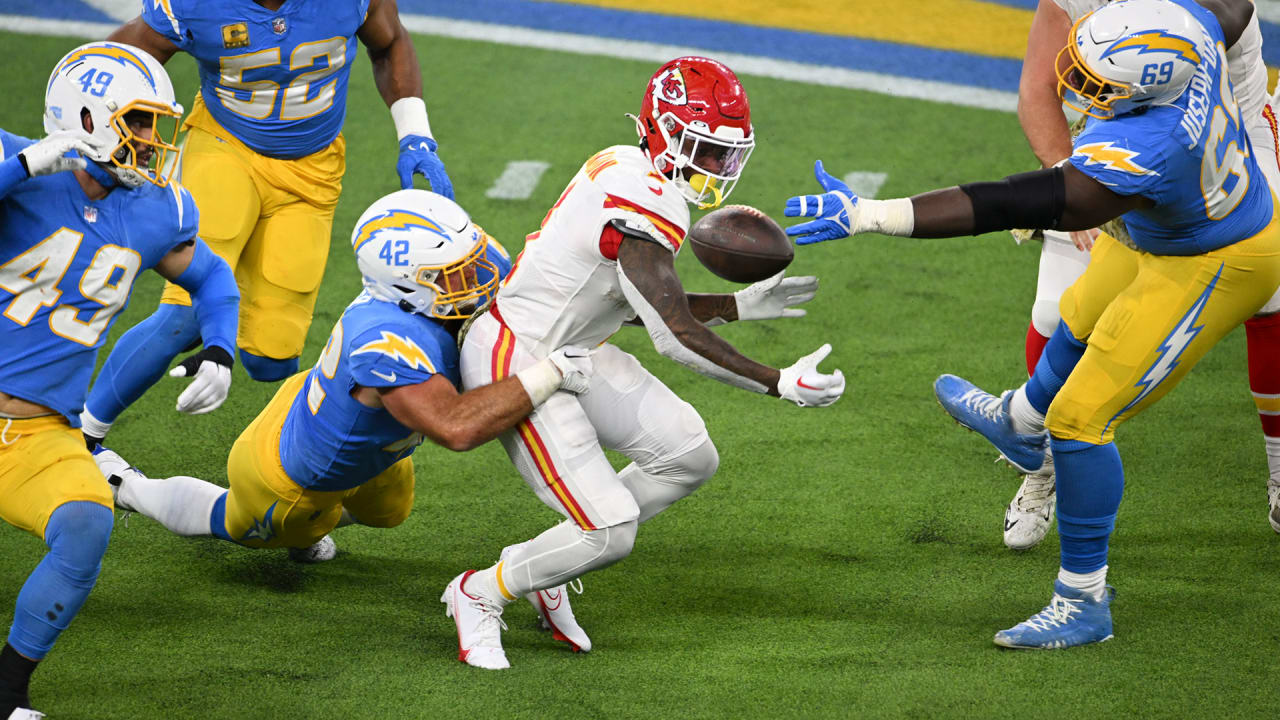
(265, 369)
(140, 358)
(1090, 485)
(1057, 361)
(77, 537)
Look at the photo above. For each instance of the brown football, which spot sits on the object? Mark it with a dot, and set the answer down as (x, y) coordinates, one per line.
(741, 244)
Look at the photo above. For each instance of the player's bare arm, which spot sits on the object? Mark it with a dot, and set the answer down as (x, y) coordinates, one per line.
(395, 61)
(1058, 198)
(399, 81)
(1232, 15)
(710, 307)
(651, 270)
(457, 421)
(1039, 108)
(139, 34)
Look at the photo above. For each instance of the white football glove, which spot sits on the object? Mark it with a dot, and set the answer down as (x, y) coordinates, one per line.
(803, 385)
(46, 156)
(774, 297)
(574, 365)
(210, 370)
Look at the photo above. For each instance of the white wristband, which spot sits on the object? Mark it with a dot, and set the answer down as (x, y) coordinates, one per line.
(540, 381)
(887, 217)
(410, 116)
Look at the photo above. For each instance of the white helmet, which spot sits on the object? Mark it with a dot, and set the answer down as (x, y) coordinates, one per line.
(421, 250)
(110, 81)
(1130, 55)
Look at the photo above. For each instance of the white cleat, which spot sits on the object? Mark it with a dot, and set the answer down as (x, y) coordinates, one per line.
(1029, 515)
(555, 612)
(116, 470)
(1273, 495)
(479, 623)
(324, 550)
(557, 616)
(25, 714)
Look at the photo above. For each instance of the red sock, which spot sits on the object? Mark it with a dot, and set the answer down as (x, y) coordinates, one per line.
(1263, 335)
(1035, 346)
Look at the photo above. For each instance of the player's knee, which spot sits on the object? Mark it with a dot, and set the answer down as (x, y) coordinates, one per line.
(77, 537)
(614, 542)
(265, 369)
(1045, 315)
(387, 519)
(691, 468)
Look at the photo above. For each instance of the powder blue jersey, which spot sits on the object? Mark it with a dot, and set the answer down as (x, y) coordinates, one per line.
(1192, 158)
(276, 80)
(329, 440)
(67, 266)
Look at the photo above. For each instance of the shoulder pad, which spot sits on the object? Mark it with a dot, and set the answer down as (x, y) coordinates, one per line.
(638, 195)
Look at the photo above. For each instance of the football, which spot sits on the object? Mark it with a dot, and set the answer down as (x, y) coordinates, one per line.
(740, 243)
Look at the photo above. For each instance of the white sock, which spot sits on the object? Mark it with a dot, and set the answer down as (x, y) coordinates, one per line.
(484, 583)
(1093, 583)
(1026, 419)
(1273, 458)
(92, 426)
(182, 504)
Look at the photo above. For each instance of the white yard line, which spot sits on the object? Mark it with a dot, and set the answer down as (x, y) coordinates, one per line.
(518, 180)
(623, 49)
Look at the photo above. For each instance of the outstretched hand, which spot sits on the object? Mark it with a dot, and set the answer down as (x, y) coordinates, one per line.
(836, 210)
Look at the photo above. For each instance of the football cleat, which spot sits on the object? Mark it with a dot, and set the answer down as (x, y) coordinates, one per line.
(323, 550)
(116, 470)
(1072, 618)
(479, 623)
(988, 416)
(1029, 515)
(25, 714)
(1273, 495)
(554, 612)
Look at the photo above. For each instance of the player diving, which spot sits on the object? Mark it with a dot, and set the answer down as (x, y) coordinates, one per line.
(1166, 148)
(82, 212)
(333, 447)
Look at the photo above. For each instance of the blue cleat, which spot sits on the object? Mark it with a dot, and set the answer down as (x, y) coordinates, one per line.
(1072, 618)
(988, 416)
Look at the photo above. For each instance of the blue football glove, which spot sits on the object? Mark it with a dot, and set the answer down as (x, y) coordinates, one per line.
(418, 156)
(836, 210)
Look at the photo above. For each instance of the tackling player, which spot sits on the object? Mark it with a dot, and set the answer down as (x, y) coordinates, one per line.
(605, 256)
(1166, 147)
(74, 234)
(264, 158)
(333, 446)
(1062, 261)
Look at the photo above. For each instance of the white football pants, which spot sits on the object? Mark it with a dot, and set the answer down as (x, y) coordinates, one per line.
(559, 450)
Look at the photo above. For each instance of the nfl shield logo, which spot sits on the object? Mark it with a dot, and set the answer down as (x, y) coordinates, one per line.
(90, 214)
(279, 25)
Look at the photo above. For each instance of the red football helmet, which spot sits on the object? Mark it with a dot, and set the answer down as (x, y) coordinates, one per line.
(695, 126)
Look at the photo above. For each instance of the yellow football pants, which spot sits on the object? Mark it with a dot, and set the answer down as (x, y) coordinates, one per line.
(1148, 319)
(265, 508)
(271, 220)
(44, 465)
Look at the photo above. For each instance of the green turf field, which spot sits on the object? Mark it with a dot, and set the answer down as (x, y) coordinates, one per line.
(844, 562)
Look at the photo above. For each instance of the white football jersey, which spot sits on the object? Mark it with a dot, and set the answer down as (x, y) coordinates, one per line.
(564, 288)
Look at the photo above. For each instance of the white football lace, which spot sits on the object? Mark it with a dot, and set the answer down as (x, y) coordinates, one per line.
(492, 616)
(984, 403)
(1035, 492)
(576, 586)
(1059, 612)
